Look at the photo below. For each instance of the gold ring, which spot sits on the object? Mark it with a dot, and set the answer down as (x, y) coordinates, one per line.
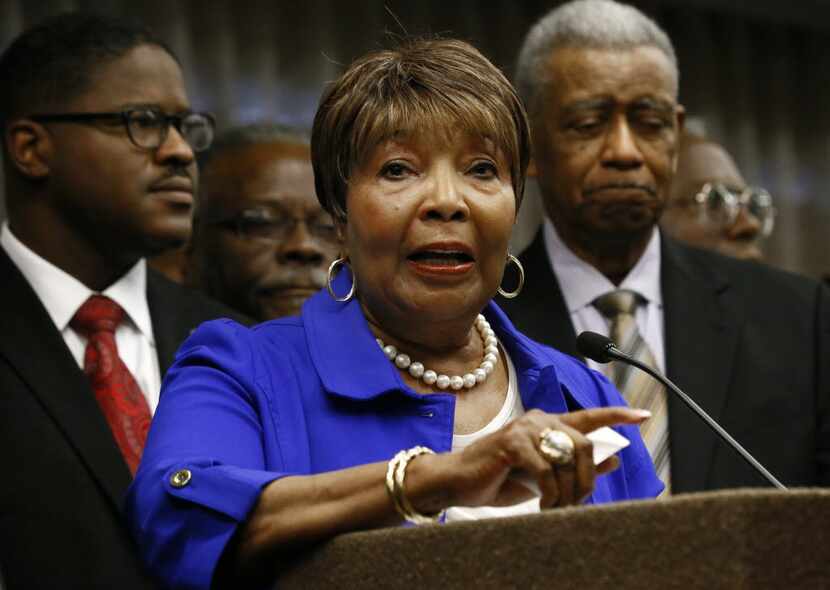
(556, 446)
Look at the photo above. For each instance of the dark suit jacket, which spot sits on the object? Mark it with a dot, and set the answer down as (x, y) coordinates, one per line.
(749, 343)
(63, 476)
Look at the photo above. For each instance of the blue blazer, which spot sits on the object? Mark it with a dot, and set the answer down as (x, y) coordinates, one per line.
(302, 395)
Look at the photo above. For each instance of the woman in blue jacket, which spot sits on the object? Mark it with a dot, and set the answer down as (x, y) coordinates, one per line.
(403, 393)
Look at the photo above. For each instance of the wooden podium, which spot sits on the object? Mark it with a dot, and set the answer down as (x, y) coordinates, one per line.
(737, 539)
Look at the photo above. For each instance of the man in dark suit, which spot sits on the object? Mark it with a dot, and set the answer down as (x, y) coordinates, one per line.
(99, 173)
(748, 342)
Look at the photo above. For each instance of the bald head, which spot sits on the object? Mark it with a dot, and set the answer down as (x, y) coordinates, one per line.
(702, 162)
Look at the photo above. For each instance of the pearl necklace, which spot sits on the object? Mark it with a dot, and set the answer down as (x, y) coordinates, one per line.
(456, 382)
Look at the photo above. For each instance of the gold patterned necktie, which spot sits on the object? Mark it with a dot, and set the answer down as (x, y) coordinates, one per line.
(639, 389)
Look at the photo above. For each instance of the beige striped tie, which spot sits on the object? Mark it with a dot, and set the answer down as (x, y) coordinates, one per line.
(639, 389)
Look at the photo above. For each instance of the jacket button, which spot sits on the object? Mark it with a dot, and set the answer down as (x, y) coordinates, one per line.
(181, 478)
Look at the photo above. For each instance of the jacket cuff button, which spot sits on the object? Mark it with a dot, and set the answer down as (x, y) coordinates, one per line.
(181, 478)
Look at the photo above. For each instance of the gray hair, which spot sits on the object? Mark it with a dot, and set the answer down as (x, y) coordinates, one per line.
(594, 24)
(254, 134)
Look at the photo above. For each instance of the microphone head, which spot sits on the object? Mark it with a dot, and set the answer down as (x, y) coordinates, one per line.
(595, 347)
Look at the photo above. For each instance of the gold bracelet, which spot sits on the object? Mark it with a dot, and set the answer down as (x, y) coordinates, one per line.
(390, 481)
(395, 476)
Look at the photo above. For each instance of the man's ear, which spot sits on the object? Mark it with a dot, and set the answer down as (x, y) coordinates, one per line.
(29, 146)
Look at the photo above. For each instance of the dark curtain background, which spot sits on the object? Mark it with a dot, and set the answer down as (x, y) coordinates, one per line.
(754, 75)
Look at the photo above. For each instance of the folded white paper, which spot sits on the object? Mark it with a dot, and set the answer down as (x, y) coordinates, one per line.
(606, 443)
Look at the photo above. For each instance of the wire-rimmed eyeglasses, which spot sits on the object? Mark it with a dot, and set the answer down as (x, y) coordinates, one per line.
(720, 205)
(274, 226)
(147, 128)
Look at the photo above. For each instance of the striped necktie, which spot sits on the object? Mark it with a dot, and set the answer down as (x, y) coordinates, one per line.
(639, 389)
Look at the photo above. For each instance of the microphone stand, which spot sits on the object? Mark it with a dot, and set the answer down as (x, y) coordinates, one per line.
(616, 353)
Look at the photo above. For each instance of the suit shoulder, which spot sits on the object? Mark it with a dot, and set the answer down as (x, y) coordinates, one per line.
(748, 276)
(193, 304)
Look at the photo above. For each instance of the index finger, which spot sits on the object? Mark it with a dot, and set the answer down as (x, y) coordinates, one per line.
(587, 420)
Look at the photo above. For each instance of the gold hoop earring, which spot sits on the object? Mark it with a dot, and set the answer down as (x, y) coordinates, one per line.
(520, 268)
(332, 272)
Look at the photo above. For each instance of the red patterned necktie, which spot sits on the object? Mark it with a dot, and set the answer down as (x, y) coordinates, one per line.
(115, 388)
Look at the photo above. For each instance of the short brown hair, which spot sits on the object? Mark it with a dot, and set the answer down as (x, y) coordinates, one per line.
(424, 82)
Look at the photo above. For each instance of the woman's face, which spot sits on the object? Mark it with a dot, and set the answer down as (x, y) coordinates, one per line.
(427, 227)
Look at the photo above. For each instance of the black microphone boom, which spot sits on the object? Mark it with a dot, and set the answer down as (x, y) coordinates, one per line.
(603, 350)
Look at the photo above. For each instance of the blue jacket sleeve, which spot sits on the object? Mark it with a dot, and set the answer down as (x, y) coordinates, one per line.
(636, 477)
(204, 464)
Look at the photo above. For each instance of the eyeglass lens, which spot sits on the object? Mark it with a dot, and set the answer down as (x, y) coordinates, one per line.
(722, 205)
(278, 228)
(148, 128)
(719, 205)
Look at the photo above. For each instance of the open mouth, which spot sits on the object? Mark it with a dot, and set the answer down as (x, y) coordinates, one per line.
(446, 258)
(442, 260)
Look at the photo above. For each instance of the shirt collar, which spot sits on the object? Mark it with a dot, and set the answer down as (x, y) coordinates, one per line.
(130, 292)
(582, 283)
(62, 294)
(344, 351)
(351, 364)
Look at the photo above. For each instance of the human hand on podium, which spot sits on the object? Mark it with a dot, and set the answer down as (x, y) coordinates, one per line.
(607, 442)
(495, 470)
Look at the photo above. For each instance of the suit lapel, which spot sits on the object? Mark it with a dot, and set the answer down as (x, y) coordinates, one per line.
(701, 331)
(701, 327)
(33, 346)
(176, 311)
(170, 316)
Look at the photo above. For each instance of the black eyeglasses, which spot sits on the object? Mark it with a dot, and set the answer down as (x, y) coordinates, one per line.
(147, 128)
(719, 205)
(267, 225)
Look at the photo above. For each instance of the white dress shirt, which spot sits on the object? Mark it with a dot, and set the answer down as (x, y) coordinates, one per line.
(62, 295)
(581, 284)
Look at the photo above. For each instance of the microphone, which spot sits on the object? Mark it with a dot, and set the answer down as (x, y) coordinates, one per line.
(603, 350)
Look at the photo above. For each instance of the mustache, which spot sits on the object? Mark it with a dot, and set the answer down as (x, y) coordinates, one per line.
(621, 185)
(177, 172)
(296, 279)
